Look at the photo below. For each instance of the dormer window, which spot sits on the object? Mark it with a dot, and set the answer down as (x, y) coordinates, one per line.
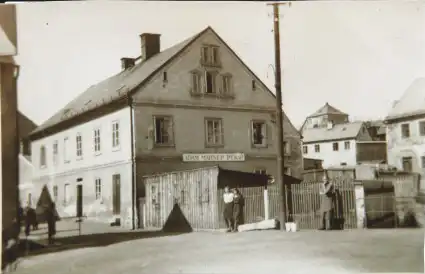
(254, 85)
(210, 55)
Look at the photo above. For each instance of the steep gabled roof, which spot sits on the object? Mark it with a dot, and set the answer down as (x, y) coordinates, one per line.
(338, 132)
(126, 82)
(117, 86)
(327, 109)
(411, 103)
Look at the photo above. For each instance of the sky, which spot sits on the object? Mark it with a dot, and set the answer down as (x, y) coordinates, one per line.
(358, 56)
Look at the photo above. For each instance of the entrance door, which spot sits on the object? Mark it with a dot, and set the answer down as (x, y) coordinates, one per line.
(116, 194)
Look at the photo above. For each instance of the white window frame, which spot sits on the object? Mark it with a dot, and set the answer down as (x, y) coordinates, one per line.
(207, 55)
(335, 148)
(287, 151)
(169, 130)
(55, 152)
(218, 132)
(43, 156)
(98, 188)
(66, 194)
(66, 151)
(226, 84)
(97, 141)
(408, 131)
(263, 133)
(317, 148)
(196, 82)
(347, 145)
(116, 144)
(79, 145)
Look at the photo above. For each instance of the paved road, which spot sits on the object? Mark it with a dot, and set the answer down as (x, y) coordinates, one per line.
(248, 252)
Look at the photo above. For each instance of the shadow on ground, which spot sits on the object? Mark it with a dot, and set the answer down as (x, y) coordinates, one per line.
(31, 248)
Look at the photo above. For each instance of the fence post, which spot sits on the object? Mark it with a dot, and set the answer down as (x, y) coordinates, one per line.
(266, 204)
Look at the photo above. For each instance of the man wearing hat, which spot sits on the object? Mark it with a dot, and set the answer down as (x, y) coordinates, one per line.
(326, 204)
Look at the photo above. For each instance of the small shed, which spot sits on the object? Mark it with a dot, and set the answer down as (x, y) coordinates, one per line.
(197, 194)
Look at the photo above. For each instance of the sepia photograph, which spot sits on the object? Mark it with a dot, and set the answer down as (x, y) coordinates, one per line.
(212, 137)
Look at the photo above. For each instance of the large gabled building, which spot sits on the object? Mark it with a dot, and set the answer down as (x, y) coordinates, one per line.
(192, 105)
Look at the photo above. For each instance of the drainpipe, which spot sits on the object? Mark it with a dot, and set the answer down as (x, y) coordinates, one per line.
(133, 165)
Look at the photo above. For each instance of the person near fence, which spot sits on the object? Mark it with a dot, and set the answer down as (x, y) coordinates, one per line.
(228, 208)
(238, 203)
(326, 205)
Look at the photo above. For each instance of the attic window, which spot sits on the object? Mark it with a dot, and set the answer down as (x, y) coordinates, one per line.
(164, 76)
(253, 84)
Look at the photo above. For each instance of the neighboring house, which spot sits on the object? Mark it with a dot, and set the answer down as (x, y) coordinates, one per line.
(322, 117)
(193, 105)
(9, 144)
(406, 131)
(310, 164)
(26, 186)
(376, 130)
(336, 145)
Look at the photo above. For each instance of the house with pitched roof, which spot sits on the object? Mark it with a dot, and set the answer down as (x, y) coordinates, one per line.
(329, 136)
(405, 125)
(192, 105)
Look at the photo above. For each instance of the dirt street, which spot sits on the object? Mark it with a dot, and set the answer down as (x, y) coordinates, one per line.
(249, 252)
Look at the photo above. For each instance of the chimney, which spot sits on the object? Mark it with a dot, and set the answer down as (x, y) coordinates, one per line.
(127, 63)
(151, 45)
(330, 125)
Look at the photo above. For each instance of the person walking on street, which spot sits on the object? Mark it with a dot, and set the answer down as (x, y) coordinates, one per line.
(237, 209)
(326, 205)
(228, 208)
(51, 222)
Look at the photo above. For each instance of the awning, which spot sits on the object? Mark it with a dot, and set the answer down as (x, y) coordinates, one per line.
(6, 46)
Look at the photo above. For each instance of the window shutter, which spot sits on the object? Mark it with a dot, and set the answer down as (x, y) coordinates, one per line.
(252, 132)
(170, 130)
(152, 134)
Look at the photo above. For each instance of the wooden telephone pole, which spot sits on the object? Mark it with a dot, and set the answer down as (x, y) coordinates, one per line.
(279, 119)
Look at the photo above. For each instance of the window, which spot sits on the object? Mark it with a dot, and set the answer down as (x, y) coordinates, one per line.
(423, 161)
(227, 84)
(196, 82)
(259, 133)
(406, 163)
(79, 143)
(210, 55)
(209, 82)
(316, 148)
(163, 130)
(253, 85)
(287, 171)
(115, 134)
(305, 149)
(335, 146)
(286, 148)
(96, 140)
(262, 171)
(55, 152)
(164, 76)
(343, 164)
(66, 153)
(42, 156)
(347, 145)
(422, 128)
(66, 194)
(405, 130)
(55, 193)
(98, 188)
(214, 132)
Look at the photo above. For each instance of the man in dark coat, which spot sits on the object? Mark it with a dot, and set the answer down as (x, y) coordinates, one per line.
(238, 204)
(51, 222)
(326, 205)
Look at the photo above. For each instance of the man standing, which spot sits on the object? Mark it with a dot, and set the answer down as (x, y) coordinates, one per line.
(326, 205)
(51, 222)
(228, 208)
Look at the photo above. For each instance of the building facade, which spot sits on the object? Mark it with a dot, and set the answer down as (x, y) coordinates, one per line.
(406, 131)
(193, 105)
(323, 116)
(9, 129)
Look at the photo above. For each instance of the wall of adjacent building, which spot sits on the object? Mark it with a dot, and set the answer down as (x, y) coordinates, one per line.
(399, 147)
(88, 168)
(333, 158)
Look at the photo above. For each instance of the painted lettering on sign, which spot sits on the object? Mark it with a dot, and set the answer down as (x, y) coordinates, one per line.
(214, 157)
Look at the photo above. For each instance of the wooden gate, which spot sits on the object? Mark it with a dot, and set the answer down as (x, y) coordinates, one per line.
(306, 203)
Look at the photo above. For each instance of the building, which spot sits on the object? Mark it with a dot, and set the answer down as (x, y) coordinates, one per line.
(193, 105)
(406, 131)
(376, 130)
(9, 142)
(25, 127)
(322, 117)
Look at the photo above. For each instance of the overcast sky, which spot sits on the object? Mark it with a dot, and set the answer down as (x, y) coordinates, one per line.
(358, 56)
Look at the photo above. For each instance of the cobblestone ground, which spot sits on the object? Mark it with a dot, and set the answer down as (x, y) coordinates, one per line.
(249, 252)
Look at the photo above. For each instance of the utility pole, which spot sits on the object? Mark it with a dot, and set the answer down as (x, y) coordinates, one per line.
(279, 120)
